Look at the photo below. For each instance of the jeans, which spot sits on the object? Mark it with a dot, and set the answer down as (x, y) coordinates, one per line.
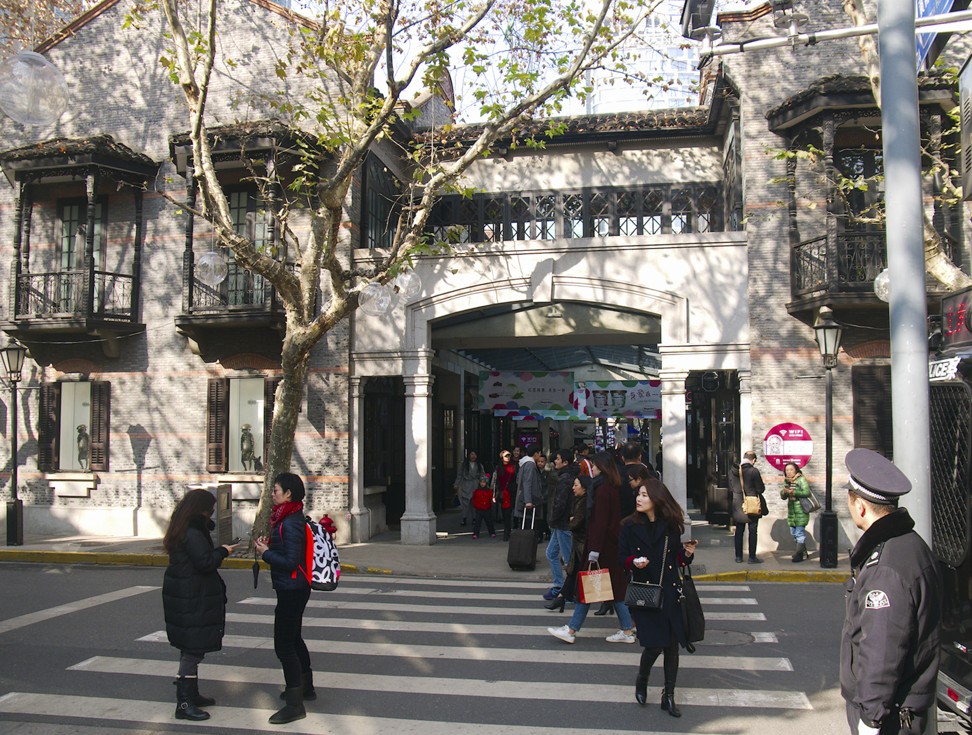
(580, 615)
(558, 554)
(740, 528)
(799, 534)
(288, 643)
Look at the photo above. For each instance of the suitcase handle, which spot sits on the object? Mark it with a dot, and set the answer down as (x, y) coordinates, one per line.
(533, 519)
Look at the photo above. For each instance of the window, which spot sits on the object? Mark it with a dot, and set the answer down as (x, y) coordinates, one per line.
(251, 220)
(628, 212)
(74, 426)
(380, 204)
(72, 222)
(239, 413)
(871, 386)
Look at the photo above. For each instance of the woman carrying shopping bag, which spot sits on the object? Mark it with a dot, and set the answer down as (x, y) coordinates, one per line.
(650, 549)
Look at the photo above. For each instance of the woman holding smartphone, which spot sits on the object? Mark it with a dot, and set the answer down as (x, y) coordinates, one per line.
(650, 549)
(193, 596)
(795, 486)
(284, 551)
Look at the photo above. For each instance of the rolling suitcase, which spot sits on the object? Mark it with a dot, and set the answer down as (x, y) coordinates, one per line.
(522, 552)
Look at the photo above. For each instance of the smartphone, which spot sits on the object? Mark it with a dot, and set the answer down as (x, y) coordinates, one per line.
(235, 541)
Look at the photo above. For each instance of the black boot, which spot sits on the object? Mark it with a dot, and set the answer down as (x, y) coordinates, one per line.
(556, 603)
(801, 553)
(668, 702)
(198, 699)
(293, 710)
(606, 608)
(306, 685)
(185, 708)
(641, 689)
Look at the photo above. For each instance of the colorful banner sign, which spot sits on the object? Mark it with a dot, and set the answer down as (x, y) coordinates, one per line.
(527, 394)
(787, 443)
(636, 399)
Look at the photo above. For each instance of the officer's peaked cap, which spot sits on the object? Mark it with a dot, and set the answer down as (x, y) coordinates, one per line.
(874, 477)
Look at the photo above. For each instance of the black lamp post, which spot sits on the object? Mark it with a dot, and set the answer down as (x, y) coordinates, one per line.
(12, 357)
(827, 332)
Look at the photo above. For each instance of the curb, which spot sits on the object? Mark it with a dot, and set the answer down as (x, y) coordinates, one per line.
(141, 560)
(829, 577)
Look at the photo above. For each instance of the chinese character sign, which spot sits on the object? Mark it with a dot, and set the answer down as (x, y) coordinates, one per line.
(603, 399)
(787, 443)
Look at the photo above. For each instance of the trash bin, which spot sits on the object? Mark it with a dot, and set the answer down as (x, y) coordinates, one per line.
(223, 512)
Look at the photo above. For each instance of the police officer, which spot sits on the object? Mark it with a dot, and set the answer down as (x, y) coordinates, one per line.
(889, 647)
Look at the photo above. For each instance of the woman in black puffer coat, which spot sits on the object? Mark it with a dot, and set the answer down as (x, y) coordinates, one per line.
(284, 550)
(193, 596)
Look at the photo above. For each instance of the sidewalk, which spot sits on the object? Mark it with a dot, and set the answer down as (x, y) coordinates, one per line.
(454, 555)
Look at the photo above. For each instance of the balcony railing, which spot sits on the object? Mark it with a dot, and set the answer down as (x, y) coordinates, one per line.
(242, 290)
(847, 263)
(64, 295)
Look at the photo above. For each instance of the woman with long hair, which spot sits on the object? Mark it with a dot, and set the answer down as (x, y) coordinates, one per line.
(471, 471)
(193, 596)
(284, 551)
(503, 484)
(601, 546)
(650, 549)
(796, 486)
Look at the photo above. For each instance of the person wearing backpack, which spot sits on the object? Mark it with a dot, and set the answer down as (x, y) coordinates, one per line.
(284, 550)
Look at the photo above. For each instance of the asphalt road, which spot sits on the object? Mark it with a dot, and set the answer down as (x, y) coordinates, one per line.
(83, 650)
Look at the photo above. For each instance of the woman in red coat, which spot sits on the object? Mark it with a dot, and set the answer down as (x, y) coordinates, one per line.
(603, 524)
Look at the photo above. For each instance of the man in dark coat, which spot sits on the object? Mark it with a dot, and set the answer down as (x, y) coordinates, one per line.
(889, 645)
(559, 548)
(744, 479)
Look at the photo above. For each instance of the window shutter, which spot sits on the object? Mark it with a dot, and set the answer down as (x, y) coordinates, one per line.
(48, 428)
(217, 424)
(269, 398)
(871, 385)
(100, 425)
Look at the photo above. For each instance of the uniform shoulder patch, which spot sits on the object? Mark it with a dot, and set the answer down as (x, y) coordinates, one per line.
(876, 599)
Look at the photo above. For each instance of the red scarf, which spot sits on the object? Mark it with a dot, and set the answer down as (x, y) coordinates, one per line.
(283, 510)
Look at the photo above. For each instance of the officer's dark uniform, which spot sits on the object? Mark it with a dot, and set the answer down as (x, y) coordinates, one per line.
(889, 648)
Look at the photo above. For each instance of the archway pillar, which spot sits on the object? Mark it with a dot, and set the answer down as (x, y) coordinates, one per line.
(418, 521)
(673, 431)
(746, 412)
(360, 514)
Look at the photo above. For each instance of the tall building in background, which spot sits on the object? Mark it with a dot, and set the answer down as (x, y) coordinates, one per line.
(667, 67)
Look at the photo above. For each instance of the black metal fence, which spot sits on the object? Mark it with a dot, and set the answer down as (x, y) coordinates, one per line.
(951, 451)
(64, 293)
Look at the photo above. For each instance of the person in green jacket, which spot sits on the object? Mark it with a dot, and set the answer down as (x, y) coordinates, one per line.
(795, 486)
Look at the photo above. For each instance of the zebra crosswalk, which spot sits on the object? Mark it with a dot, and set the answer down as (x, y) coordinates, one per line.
(410, 655)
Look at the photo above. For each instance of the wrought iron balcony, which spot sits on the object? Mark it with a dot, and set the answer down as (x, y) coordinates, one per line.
(68, 295)
(846, 263)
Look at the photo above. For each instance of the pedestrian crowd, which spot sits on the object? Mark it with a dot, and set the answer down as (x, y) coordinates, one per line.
(608, 521)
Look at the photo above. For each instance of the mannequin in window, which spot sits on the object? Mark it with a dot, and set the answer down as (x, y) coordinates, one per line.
(246, 447)
(84, 442)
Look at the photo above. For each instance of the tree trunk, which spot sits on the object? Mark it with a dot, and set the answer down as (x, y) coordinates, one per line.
(286, 409)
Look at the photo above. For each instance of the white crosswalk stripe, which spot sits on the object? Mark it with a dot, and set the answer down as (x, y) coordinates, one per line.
(436, 639)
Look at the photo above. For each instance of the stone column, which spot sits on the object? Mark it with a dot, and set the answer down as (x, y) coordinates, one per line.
(360, 514)
(418, 521)
(746, 414)
(673, 432)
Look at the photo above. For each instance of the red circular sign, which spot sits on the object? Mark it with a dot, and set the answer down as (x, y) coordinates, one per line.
(787, 443)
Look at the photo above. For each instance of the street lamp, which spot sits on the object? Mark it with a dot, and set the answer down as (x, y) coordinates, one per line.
(828, 332)
(12, 357)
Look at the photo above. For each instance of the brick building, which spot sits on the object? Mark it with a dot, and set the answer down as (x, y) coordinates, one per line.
(670, 238)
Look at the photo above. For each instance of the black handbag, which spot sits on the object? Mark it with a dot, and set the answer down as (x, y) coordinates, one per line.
(644, 595)
(692, 615)
(810, 504)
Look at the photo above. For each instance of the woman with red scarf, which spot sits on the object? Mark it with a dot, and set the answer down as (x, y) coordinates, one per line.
(504, 489)
(284, 551)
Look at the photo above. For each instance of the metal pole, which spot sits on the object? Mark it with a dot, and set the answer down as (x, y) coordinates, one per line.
(828, 519)
(906, 259)
(15, 507)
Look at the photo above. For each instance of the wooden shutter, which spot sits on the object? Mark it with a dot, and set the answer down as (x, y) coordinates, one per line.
(871, 385)
(48, 427)
(100, 425)
(269, 398)
(217, 425)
